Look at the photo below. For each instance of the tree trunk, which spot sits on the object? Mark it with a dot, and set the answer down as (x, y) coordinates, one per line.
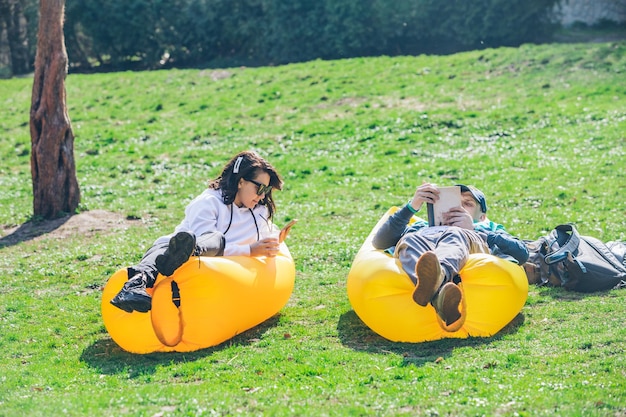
(55, 187)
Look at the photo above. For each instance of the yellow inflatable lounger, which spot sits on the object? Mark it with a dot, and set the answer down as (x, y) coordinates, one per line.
(380, 293)
(219, 298)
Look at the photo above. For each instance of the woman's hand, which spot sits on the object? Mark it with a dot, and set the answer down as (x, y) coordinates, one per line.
(285, 230)
(265, 247)
(425, 193)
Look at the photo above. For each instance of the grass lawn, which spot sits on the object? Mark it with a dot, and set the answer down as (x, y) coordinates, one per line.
(539, 128)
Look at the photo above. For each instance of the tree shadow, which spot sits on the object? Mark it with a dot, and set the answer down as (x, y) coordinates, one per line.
(32, 229)
(85, 224)
(354, 334)
(108, 358)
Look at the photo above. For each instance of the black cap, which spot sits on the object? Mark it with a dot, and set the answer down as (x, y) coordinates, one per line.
(478, 195)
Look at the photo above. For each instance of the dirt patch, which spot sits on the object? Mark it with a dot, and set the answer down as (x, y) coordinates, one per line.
(86, 224)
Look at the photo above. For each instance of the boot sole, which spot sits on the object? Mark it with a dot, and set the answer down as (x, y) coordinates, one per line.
(180, 248)
(130, 302)
(447, 304)
(429, 278)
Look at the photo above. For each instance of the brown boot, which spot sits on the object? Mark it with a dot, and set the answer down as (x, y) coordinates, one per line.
(429, 278)
(449, 307)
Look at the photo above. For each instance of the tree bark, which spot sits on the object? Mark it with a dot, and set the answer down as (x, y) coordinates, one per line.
(55, 187)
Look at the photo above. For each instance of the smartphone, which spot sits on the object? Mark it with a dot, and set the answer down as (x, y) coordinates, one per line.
(285, 230)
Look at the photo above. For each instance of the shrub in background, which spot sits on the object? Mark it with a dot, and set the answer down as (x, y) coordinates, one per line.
(146, 34)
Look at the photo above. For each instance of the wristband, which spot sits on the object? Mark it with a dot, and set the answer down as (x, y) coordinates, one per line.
(411, 209)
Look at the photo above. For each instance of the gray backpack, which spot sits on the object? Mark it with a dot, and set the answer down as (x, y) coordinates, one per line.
(578, 263)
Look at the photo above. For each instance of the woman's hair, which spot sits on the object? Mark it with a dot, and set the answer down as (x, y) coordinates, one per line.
(247, 165)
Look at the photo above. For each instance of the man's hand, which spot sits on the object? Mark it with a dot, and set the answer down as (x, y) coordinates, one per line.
(425, 193)
(459, 217)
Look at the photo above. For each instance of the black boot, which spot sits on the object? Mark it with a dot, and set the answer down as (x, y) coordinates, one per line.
(178, 251)
(133, 296)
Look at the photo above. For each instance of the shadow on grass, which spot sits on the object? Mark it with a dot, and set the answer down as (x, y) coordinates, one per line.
(562, 294)
(31, 230)
(85, 224)
(108, 358)
(354, 334)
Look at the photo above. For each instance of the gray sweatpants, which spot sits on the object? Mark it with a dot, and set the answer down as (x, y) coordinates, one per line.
(451, 244)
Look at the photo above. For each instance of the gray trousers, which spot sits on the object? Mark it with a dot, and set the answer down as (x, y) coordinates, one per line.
(452, 245)
(208, 244)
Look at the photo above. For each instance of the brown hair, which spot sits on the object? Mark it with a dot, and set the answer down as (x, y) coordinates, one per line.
(248, 165)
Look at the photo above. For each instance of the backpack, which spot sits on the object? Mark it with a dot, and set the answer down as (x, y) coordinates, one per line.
(578, 263)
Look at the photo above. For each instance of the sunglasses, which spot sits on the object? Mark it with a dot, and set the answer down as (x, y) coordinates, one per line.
(263, 189)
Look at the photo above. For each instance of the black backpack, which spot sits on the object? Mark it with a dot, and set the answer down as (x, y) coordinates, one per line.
(578, 263)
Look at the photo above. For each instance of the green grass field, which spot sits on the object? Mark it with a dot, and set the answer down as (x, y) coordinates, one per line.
(539, 128)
